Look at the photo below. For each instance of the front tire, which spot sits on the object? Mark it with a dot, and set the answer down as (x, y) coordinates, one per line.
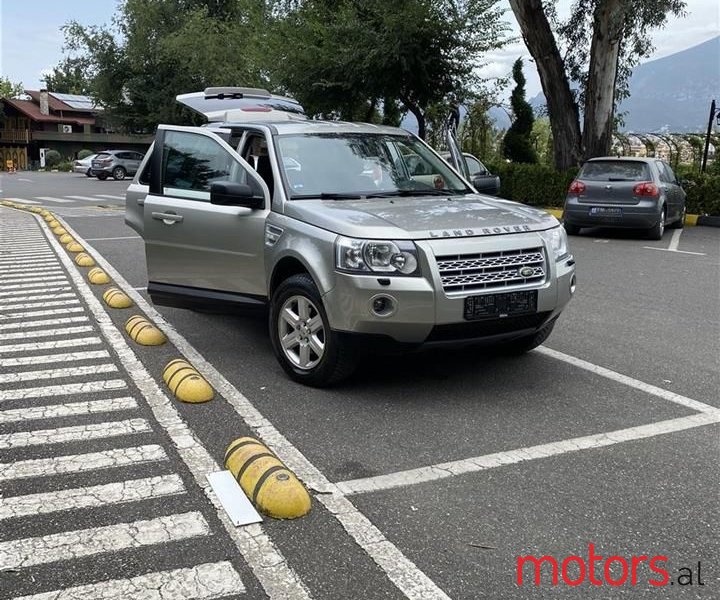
(656, 233)
(303, 343)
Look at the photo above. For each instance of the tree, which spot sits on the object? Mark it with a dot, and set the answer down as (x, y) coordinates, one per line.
(517, 145)
(68, 77)
(8, 89)
(603, 40)
(340, 57)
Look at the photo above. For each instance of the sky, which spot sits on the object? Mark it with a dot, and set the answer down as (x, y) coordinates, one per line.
(31, 39)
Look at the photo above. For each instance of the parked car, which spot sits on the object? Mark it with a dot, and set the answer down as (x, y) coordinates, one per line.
(326, 224)
(118, 163)
(638, 193)
(84, 165)
(478, 174)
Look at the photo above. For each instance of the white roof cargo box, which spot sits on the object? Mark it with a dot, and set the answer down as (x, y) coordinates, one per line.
(227, 104)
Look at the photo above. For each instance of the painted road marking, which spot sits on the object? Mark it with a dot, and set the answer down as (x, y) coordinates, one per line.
(675, 251)
(37, 290)
(4, 261)
(628, 381)
(9, 254)
(73, 433)
(120, 492)
(21, 200)
(268, 564)
(42, 313)
(31, 268)
(41, 302)
(13, 279)
(53, 199)
(56, 411)
(80, 463)
(404, 574)
(64, 389)
(90, 198)
(43, 297)
(106, 239)
(499, 459)
(203, 582)
(42, 323)
(57, 373)
(50, 332)
(52, 345)
(111, 196)
(674, 243)
(17, 554)
(53, 358)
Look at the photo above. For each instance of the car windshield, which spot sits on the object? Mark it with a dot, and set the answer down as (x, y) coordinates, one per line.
(615, 170)
(352, 165)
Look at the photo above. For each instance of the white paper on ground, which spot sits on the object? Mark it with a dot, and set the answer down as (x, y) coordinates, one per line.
(236, 504)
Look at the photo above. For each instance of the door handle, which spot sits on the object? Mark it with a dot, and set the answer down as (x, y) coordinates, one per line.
(167, 218)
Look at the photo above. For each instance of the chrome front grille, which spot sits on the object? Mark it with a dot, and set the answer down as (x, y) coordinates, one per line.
(491, 270)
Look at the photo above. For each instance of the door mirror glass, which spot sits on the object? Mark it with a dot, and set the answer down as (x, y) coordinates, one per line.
(234, 194)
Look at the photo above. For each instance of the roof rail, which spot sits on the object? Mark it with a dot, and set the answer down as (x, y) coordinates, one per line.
(234, 92)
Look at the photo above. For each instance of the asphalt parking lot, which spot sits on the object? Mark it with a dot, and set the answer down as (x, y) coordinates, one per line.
(463, 461)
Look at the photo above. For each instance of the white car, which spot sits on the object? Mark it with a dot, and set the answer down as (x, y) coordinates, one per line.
(84, 165)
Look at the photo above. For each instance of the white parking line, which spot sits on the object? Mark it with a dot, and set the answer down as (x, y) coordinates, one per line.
(67, 545)
(90, 198)
(55, 411)
(51, 345)
(81, 463)
(208, 581)
(65, 389)
(57, 373)
(499, 459)
(107, 239)
(674, 243)
(41, 323)
(21, 200)
(111, 197)
(53, 358)
(120, 492)
(675, 251)
(53, 199)
(628, 381)
(74, 433)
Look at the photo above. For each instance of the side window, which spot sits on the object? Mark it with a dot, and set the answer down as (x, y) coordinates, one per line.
(146, 173)
(137, 156)
(670, 173)
(664, 177)
(474, 166)
(193, 162)
(124, 155)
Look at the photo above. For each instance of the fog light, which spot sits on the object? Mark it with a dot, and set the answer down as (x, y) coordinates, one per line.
(382, 306)
(572, 285)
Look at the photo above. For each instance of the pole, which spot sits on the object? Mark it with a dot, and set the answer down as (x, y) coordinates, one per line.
(707, 136)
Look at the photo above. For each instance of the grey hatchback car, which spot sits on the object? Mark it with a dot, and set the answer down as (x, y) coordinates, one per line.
(633, 193)
(116, 163)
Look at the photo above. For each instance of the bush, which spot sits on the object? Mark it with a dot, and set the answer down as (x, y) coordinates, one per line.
(52, 158)
(84, 154)
(703, 193)
(65, 165)
(536, 185)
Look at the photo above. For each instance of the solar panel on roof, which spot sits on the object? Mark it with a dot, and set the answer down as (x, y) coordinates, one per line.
(75, 100)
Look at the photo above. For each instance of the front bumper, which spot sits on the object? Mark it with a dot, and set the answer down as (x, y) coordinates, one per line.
(423, 314)
(643, 215)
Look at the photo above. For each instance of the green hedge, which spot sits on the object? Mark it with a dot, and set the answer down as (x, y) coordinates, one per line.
(540, 185)
(52, 158)
(84, 154)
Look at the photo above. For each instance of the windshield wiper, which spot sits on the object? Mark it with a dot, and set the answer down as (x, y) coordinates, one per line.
(413, 193)
(326, 196)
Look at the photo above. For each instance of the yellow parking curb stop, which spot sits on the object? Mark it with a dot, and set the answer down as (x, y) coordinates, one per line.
(84, 260)
(267, 482)
(59, 230)
(36, 210)
(186, 383)
(66, 238)
(144, 332)
(49, 217)
(116, 298)
(53, 223)
(74, 247)
(98, 276)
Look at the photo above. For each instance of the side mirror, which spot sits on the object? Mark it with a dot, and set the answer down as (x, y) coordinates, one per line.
(225, 193)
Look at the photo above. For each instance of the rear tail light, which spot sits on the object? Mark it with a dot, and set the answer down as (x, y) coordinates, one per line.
(646, 188)
(577, 187)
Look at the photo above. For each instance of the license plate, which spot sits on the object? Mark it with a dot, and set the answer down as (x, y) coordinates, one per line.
(500, 305)
(602, 211)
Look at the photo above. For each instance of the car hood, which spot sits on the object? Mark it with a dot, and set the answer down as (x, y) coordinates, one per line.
(420, 218)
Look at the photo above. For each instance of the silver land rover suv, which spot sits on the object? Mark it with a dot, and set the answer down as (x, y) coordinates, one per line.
(324, 223)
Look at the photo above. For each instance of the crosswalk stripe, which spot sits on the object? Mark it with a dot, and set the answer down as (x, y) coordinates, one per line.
(37, 290)
(39, 313)
(111, 196)
(40, 323)
(51, 345)
(54, 411)
(43, 297)
(53, 199)
(80, 463)
(30, 267)
(57, 373)
(10, 258)
(13, 279)
(42, 303)
(21, 200)
(53, 358)
(68, 545)
(120, 492)
(48, 391)
(73, 433)
(90, 198)
(208, 581)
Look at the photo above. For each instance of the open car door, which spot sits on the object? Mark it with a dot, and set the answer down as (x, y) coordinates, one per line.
(457, 159)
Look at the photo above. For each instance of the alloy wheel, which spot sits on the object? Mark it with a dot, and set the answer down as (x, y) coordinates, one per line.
(301, 332)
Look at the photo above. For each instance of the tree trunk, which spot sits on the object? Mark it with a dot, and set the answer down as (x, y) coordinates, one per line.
(419, 115)
(598, 127)
(562, 109)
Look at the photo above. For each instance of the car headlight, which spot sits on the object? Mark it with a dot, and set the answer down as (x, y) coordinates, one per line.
(557, 240)
(376, 256)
